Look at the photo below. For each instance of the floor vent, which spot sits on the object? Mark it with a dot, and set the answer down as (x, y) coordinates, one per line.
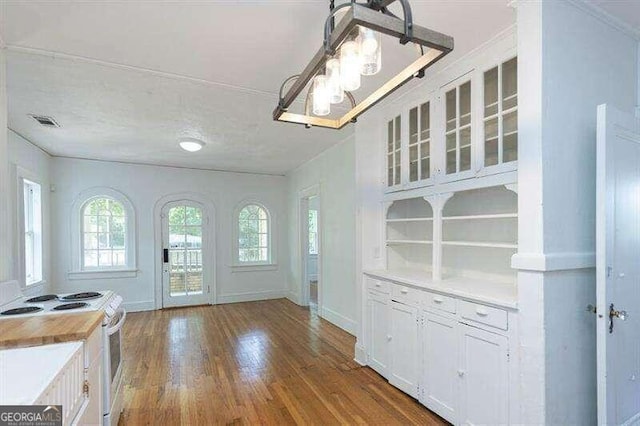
(45, 121)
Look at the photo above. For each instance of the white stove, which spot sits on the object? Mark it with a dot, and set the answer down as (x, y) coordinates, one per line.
(13, 304)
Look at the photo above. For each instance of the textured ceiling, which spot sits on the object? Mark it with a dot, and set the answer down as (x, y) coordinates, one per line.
(126, 79)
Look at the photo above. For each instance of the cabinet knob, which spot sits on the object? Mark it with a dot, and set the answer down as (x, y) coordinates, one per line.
(482, 312)
(404, 291)
(388, 337)
(460, 373)
(437, 300)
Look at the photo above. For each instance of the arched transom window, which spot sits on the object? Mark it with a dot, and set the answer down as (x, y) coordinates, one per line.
(254, 238)
(104, 234)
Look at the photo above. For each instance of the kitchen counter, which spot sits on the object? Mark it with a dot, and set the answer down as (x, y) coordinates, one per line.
(47, 329)
(27, 372)
(499, 294)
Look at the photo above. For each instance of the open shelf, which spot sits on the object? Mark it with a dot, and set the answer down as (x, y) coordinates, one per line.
(479, 244)
(409, 242)
(482, 216)
(410, 219)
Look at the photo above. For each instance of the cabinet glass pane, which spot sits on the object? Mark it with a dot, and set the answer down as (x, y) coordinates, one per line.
(390, 136)
(413, 125)
(398, 132)
(397, 176)
(425, 121)
(451, 109)
(390, 170)
(465, 104)
(451, 153)
(510, 84)
(413, 171)
(424, 160)
(491, 92)
(510, 137)
(465, 158)
(425, 168)
(491, 142)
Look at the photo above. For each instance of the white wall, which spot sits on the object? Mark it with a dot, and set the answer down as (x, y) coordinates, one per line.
(6, 259)
(570, 61)
(28, 161)
(312, 264)
(334, 172)
(144, 186)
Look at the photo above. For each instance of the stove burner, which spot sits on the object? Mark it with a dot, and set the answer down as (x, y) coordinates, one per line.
(43, 298)
(19, 311)
(68, 306)
(82, 296)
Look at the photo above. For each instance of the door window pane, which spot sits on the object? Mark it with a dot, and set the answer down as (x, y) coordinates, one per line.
(185, 251)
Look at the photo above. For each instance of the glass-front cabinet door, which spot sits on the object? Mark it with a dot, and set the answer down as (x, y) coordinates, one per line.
(456, 103)
(394, 153)
(500, 106)
(420, 144)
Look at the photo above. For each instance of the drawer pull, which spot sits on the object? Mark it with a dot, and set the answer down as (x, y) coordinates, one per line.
(481, 312)
(460, 373)
(377, 284)
(388, 337)
(437, 300)
(404, 291)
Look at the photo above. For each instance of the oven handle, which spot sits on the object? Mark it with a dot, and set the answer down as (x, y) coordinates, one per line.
(118, 326)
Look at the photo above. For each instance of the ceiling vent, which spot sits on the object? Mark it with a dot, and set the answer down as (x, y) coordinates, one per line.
(45, 121)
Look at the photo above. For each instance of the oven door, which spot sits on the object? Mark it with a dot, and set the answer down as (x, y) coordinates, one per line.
(113, 359)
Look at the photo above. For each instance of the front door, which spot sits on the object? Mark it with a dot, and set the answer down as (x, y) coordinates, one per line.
(185, 278)
(618, 267)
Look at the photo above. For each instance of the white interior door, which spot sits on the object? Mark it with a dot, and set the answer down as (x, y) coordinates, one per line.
(618, 267)
(185, 271)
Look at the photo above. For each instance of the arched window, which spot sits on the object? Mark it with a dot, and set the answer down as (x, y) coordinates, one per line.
(254, 235)
(104, 231)
(103, 228)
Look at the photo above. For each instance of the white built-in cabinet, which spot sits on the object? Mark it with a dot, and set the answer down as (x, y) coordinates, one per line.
(403, 372)
(378, 328)
(450, 353)
(466, 128)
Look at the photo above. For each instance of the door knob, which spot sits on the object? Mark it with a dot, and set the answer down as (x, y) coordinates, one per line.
(613, 313)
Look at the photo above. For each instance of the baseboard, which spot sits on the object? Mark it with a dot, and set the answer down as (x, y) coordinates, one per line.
(148, 305)
(293, 296)
(251, 296)
(360, 354)
(341, 321)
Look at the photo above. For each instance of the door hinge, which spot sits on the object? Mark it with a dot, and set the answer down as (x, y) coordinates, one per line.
(85, 388)
(609, 269)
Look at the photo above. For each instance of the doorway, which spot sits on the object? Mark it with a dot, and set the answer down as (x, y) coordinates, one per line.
(185, 261)
(311, 249)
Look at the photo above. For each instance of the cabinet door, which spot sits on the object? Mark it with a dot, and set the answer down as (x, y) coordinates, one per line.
(378, 332)
(404, 348)
(92, 414)
(440, 350)
(394, 153)
(484, 393)
(458, 127)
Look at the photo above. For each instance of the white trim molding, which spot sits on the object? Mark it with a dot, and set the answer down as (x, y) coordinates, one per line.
(252, 296)
(272, 255)
(339, 320)
(553, 261)
(77, 270)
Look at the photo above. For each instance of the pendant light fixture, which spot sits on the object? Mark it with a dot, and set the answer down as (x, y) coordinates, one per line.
(351, 51)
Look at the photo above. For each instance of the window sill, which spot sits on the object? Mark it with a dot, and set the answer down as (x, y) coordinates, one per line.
(34, 288)
(254, 267)
(102, 274)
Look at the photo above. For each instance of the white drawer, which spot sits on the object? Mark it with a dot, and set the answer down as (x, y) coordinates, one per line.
(377, 285)
(406, 295)
(484, 314)
(440, 302)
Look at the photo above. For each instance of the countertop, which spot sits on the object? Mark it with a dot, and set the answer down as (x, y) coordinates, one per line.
(26, 372)
(499, 294)
(47, 329)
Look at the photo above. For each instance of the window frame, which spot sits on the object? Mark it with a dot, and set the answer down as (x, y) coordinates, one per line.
(271, 262)
(78, 270)
(23, 178)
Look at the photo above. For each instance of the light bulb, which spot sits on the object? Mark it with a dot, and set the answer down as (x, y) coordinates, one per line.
(370, 51)
(321, 96)
(350, 65)
(335, 89)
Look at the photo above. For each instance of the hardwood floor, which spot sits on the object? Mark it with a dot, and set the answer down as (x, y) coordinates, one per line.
(269, 362)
